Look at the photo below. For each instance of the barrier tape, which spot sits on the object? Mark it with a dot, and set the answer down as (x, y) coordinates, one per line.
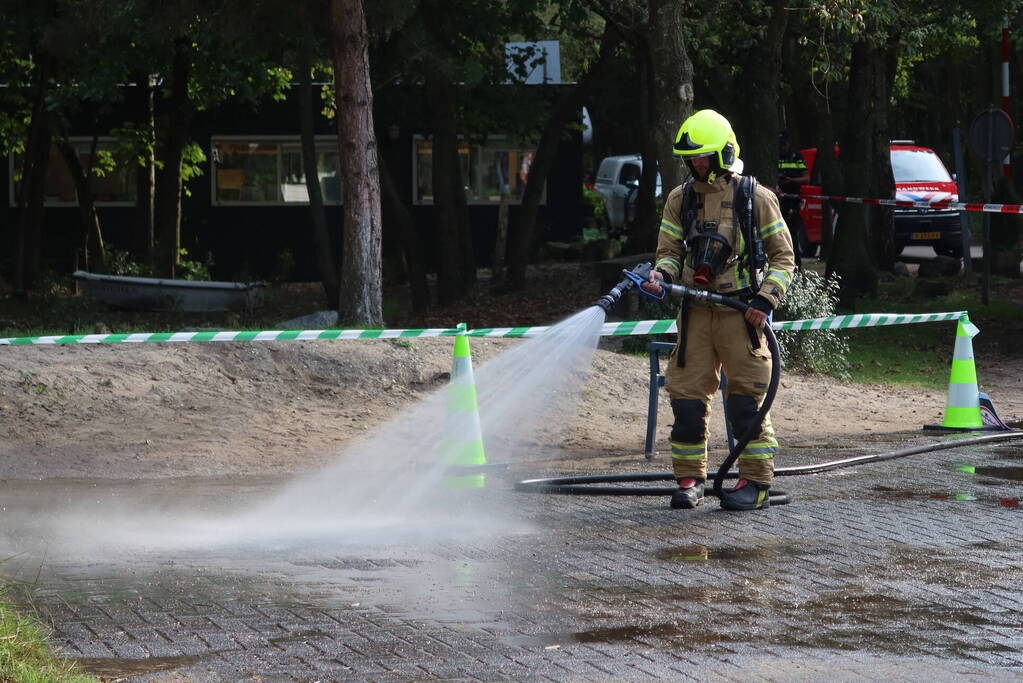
(261, 335)
(838, 322)
(936, 205)
(620, 329)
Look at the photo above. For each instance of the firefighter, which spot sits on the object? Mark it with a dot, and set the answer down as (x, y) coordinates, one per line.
(722, 232)
(792, 175)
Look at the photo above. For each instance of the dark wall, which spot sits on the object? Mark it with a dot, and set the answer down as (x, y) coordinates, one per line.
(260, 241)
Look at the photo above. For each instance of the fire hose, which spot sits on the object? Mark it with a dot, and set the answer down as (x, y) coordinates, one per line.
(639, 275)
(587, 484)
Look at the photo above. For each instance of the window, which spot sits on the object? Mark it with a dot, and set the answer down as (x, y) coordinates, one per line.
(259, 170)
(487, 170)
(115, 187)
(630, 173)
(918, 166)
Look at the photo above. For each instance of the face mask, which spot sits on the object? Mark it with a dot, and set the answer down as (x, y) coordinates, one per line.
(708, 254)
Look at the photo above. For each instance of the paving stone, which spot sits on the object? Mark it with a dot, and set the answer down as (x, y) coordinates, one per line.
(865, 585)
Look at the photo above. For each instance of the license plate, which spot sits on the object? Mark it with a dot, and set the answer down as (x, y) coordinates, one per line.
(926, 235)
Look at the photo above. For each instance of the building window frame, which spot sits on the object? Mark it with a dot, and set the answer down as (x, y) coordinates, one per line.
(82, 143)
(493, 144)
(283, 143)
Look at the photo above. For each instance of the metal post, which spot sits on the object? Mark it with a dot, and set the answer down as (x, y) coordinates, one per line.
(964, 216)
(651, 413)
(988, 191)
(1007, 161)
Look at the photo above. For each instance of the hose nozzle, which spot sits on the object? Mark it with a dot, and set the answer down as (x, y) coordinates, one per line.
(637, 275)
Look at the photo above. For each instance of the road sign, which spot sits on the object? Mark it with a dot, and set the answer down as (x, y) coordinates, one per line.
(991, 135)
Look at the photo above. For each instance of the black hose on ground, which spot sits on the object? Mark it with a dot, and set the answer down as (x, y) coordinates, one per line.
(584, 485)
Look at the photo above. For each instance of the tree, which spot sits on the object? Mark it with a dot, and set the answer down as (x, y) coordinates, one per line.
(361, 282)
(655, 36)
(566, 112)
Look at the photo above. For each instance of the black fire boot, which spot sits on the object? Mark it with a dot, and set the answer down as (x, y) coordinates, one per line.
(689, 494)
(747, 495)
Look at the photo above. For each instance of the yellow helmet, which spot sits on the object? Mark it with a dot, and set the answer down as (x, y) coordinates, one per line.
(707, 134)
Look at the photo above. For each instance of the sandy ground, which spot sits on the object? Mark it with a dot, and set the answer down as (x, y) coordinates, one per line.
(169, 410)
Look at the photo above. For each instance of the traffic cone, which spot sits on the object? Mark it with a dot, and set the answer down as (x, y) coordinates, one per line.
(962, 410)
(463, 437)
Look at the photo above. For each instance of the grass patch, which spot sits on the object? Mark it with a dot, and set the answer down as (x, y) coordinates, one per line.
(917, 355)
(25, 653)
(921, 354)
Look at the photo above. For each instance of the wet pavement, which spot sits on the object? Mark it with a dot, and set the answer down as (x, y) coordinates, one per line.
(907, 569)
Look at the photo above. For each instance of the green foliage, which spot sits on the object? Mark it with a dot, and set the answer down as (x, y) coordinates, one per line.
(119, 262)
(192, 158)
(25, 653)
(594, 202)
(194, 270)
(135, 143)
(15, 74)
(817, 351)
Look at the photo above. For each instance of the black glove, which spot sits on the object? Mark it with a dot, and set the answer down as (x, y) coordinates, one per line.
(666, 274)
(762, 304)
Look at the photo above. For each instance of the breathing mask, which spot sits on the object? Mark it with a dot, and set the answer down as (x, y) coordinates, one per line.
(709, 251)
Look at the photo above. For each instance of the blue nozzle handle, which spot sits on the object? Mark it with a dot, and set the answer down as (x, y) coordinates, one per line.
(639, 280)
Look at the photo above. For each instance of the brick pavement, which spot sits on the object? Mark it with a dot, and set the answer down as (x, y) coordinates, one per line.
(873, 572)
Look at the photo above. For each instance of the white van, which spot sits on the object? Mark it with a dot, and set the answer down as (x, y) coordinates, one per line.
(618, 183)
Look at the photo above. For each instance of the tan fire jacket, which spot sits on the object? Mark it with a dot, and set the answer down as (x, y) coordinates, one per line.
(717, 206)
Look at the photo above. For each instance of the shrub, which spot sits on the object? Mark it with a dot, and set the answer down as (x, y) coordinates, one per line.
(819, 351)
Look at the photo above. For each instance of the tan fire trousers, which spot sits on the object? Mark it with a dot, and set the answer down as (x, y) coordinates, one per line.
(718, 337)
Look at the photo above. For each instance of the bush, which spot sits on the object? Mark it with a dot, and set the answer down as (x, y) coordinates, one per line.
(818, 351)
(119, 262)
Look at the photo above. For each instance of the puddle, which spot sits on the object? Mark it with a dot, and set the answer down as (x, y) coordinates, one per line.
(1008, 451)
(702, 553)
(930, 495)
(669, 630)
(1007, 473)
(111, 667)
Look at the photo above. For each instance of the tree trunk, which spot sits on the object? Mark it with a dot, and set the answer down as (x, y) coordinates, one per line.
(32, 195)
(645, 224)
(361, 277)
(672, 73)
(759, 139)
(883, 60)
(446, 167)
(566, 111)
(464, 227)
(498, 261)
(169, 185)
(325, 262)
(395, 212)
(851, 256)
(92, 234)
(144, 237)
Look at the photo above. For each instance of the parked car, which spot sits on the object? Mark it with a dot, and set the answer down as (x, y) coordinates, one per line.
(618, 182)
(920, 176)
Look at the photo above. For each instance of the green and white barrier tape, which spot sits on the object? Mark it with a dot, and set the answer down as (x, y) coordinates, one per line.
(261, 335)
(839, 322)
(634, 327)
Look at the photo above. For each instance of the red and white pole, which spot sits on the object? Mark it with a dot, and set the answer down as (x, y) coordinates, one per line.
(1006, 163)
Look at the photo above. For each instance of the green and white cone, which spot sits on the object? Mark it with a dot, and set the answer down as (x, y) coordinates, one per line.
(962, 410)
(463, 437)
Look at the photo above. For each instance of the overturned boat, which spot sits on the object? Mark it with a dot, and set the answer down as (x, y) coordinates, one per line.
(163, 294)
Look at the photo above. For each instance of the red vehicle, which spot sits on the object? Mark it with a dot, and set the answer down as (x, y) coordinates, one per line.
(920, 176)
